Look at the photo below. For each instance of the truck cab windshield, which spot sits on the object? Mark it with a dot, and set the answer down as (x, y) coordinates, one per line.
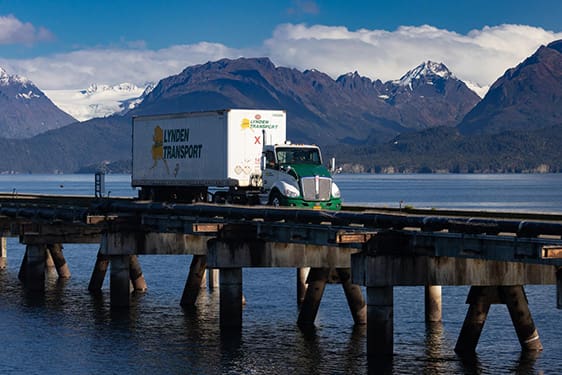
(298, 155)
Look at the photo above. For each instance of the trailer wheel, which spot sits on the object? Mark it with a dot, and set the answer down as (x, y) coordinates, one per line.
(275, 198)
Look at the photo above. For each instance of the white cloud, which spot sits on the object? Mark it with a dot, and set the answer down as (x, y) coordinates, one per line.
(13, 31)
(480, 56)
(79, 69)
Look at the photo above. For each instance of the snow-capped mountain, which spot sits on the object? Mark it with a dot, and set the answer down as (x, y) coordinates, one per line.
(425, 72)
(99, 100)
(430, 95)
(25, 110)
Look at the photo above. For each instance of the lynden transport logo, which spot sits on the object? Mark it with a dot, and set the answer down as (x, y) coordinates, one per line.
(173, 144)
(257, 123)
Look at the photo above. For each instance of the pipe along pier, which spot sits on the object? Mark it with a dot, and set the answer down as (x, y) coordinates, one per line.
(495, 253)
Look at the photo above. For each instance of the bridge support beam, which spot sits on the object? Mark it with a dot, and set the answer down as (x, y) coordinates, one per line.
(3, 253)
(55, 250)
(230, 298)
(380, 321)
(354, 296)
(302, 274)
(317, 279)
(433, 305)
(194, 281)
(119, 280)
(98, 274)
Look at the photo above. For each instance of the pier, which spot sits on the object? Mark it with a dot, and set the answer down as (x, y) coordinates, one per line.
(496, 254)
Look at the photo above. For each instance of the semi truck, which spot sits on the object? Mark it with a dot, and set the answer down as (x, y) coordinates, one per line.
(238, 156)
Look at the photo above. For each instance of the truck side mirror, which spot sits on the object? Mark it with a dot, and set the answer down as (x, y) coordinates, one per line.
(332, 165)
(263, 162)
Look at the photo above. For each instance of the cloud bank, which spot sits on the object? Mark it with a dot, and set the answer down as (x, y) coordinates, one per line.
(13, 31)
(480, 56)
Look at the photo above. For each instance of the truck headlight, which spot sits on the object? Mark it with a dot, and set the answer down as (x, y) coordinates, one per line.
(335, 191)
(291, 191)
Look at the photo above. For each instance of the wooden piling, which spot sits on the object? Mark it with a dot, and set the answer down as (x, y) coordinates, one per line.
(354, 296)
(55, 250)
(3, 253)
(135, 274)
(302, 274)
(559, 288)
(194, 279)
(35, 267)
(230, 298)
(119, 280)
(480, 299)
(516, 300)
(98, 274)
(317, 279)
(433, 304)
(380, 321)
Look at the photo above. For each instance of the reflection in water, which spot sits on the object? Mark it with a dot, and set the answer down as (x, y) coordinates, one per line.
(526, 363)
(470, 363)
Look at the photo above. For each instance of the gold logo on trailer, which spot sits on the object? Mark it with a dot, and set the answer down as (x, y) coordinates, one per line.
(257, 123)
(173, 144)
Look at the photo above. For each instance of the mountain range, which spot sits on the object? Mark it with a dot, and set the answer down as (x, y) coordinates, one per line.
(428, 120)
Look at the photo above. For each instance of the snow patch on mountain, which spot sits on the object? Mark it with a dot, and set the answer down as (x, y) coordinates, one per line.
(99, 100)
(426, 71)
(479, 90)
(7, 79)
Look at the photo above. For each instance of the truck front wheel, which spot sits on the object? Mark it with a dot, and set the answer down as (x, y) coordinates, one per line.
(275, 198)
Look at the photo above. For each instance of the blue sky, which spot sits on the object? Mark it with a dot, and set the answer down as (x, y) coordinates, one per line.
(66, 44)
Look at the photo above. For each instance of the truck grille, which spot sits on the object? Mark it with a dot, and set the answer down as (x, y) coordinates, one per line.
(316, 188)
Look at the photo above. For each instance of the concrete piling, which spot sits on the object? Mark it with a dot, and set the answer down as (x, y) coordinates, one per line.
(230, 298)
(354, 296)
(380, 321)
(23, 267)
(213, 278)
(302, 274)
(119, 280)
(516, 300)
(194, 280)
(98, 274)
(472, 328)
(317, 279)
(135, 274)
(55, 250)
(480, 299)
(433, 303)
(35, 267)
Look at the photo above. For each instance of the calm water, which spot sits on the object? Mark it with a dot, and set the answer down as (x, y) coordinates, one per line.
(68, 331)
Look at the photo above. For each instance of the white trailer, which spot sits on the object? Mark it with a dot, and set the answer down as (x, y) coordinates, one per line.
(203, 149)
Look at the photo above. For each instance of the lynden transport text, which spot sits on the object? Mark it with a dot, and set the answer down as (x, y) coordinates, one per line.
(180, 150)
